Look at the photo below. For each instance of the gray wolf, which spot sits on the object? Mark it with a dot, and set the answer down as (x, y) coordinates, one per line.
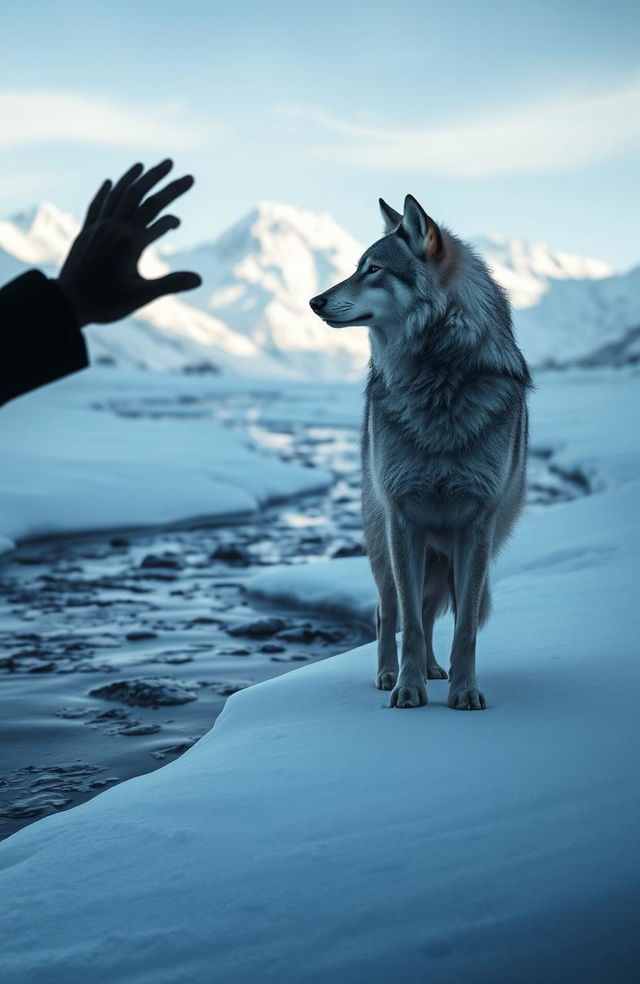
(444, 442)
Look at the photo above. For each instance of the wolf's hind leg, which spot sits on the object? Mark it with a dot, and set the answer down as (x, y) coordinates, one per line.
(434, 601)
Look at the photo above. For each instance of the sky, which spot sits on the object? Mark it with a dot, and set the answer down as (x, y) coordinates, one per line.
(515, 118)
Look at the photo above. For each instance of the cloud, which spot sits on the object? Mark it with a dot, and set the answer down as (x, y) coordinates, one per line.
(561, 134)
(44, 117)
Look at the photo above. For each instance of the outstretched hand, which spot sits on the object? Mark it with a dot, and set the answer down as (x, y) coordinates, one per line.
(100, 275)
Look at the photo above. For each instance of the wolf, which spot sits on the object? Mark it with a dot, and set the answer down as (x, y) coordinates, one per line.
(444, 442)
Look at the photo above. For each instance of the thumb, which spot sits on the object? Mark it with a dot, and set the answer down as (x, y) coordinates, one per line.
(172, 283)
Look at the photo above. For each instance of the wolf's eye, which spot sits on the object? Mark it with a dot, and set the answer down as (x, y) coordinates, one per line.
(373, 269)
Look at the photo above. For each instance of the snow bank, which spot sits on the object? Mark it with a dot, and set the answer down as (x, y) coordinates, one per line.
(339, 586)
(70, 464)
(315, 835)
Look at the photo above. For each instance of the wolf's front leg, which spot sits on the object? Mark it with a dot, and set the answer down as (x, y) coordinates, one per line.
(407, 547)
(387, 610)
(471, 560)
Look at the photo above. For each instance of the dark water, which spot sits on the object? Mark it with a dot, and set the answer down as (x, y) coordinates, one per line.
(118, 652)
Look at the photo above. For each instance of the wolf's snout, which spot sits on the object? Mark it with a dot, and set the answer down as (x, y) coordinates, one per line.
(317, 303)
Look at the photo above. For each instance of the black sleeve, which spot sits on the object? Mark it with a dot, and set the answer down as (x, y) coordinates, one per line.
(40, 339)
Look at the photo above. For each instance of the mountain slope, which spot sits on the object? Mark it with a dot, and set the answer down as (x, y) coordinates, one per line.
(168, 334)
(259, 275)
(575, 319)
(528, 270)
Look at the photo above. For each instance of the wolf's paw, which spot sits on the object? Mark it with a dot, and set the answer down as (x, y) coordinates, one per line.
(386, 679)
(408, 695)
(436, 672)
(466, 697)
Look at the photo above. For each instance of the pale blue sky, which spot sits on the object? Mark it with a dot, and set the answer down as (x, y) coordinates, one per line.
(500, 117)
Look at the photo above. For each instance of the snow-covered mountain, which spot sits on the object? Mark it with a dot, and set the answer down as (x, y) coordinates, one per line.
(259, 275)
(168, 334)
(251, 315)
(566, 307)
(39, 236)
(527, 270)
(576, 319)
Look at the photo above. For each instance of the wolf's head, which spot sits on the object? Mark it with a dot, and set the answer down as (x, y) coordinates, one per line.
(411, 261)
(418, 285)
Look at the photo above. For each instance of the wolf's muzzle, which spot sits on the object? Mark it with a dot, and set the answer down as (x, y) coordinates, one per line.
(317, 303)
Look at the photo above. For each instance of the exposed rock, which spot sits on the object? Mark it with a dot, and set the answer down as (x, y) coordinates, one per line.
(35, 806)
(149, 692)
(180, 749)
(258, 628)
(232, 687)
(38, 666)
(168, 561)
(140, 729)
(233, 553)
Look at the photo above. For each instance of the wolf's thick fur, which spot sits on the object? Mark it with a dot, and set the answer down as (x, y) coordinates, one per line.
(444, 442)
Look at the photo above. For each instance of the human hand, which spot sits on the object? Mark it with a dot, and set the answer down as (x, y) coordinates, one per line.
(100, 276)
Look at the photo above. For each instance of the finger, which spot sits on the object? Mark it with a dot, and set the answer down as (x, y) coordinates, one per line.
(136, 191)
(151, 209)
(98, 201)
(159, 228)
(119, 189)
(172, 283)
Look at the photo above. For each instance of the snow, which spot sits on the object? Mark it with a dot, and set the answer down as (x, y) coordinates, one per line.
(313, 834)
(71, 465)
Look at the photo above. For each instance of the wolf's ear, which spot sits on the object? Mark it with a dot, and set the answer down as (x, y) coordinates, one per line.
(392, 219)
(422, 233)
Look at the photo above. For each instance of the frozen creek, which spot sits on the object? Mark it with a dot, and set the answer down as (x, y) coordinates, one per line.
(118, 652)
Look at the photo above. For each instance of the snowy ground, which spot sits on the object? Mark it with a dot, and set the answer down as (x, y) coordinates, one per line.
(316, 835)
(69, 465)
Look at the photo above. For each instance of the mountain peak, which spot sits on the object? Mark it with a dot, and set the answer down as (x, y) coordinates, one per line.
(259, 275)
(269, 225)
(39, 235)
(42, 213)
